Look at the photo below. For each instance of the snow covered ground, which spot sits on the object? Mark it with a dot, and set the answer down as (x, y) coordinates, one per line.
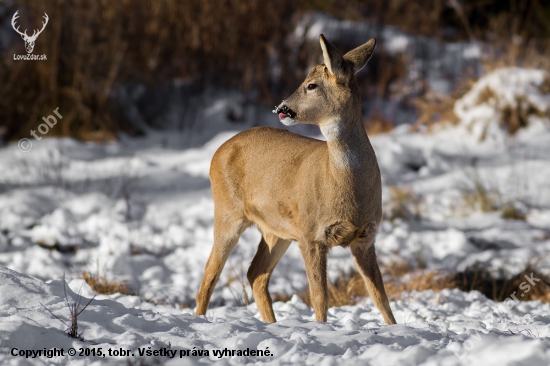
(450, 328)
(141, 212)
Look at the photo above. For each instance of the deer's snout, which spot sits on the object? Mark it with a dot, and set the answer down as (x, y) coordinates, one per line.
(283, 111)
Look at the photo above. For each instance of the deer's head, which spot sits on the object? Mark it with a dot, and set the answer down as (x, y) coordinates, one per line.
(329, 91)
(29, 40)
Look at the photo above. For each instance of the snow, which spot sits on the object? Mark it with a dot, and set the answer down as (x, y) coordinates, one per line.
(450, 328)
(521, 91)
(140, 210)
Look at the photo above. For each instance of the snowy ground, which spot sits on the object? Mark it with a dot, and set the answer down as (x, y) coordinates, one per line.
(450, 328)
(142, 212)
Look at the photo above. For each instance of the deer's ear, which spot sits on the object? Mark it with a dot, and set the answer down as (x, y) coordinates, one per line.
(333, 59)
(359, 56)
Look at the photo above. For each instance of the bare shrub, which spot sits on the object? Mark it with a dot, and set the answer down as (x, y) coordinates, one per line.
(75, 311)
(241, 298)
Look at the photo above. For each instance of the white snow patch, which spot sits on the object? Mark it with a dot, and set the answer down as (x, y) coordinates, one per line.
(505, 94)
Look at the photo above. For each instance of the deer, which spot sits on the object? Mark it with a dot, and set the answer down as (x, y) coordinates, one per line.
(29, 40)
(317, 193)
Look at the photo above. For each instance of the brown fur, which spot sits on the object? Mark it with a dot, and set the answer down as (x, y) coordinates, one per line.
(294, 188)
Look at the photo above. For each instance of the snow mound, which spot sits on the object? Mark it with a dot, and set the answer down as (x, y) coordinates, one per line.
(506, 100)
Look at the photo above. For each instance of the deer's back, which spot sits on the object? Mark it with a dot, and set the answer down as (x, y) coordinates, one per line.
(266, 157)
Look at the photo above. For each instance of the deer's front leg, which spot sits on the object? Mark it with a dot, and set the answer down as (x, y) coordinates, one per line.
(315, 257)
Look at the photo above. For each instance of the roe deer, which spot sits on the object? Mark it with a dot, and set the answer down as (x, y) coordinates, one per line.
(320, 194)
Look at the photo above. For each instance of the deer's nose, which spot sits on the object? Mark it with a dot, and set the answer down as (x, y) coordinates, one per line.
(284, 111)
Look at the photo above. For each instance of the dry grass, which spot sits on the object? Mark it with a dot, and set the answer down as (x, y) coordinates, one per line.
(58, 247)
(158, 252)
(511, 212)
(481, 19)
(93, 47)
(433, 108)
(378, 124)
(517, 51)
(420, 280)
(514, 117)
(240, 294)
(400, 279)
(480, 195)
(502, 287)
(102, 285)
(167, 301)
(404, 204)
(510, 41)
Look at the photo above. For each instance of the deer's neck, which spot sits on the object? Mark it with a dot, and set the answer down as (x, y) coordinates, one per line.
(349, 148)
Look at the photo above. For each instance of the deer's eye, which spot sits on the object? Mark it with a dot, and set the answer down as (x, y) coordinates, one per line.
(311, 86)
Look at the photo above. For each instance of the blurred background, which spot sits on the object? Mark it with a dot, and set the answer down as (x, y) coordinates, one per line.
(141, 65)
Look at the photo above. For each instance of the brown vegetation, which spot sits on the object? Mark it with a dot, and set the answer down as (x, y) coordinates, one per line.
(502, 287)
(400, 279)
(378, 124)
(74, 310)
(102, 285)
(515, 34)
(433, 108)
(93, 47)
(403, 204)
(481, 195)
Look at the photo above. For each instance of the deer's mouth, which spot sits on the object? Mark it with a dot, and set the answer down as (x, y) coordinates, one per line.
(284, 112)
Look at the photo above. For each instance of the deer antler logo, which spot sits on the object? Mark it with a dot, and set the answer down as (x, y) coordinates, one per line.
(29, 40)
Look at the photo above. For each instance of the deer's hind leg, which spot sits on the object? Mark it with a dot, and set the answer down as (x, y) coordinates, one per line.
(270, 251)
(227, 231)
(365, 259)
